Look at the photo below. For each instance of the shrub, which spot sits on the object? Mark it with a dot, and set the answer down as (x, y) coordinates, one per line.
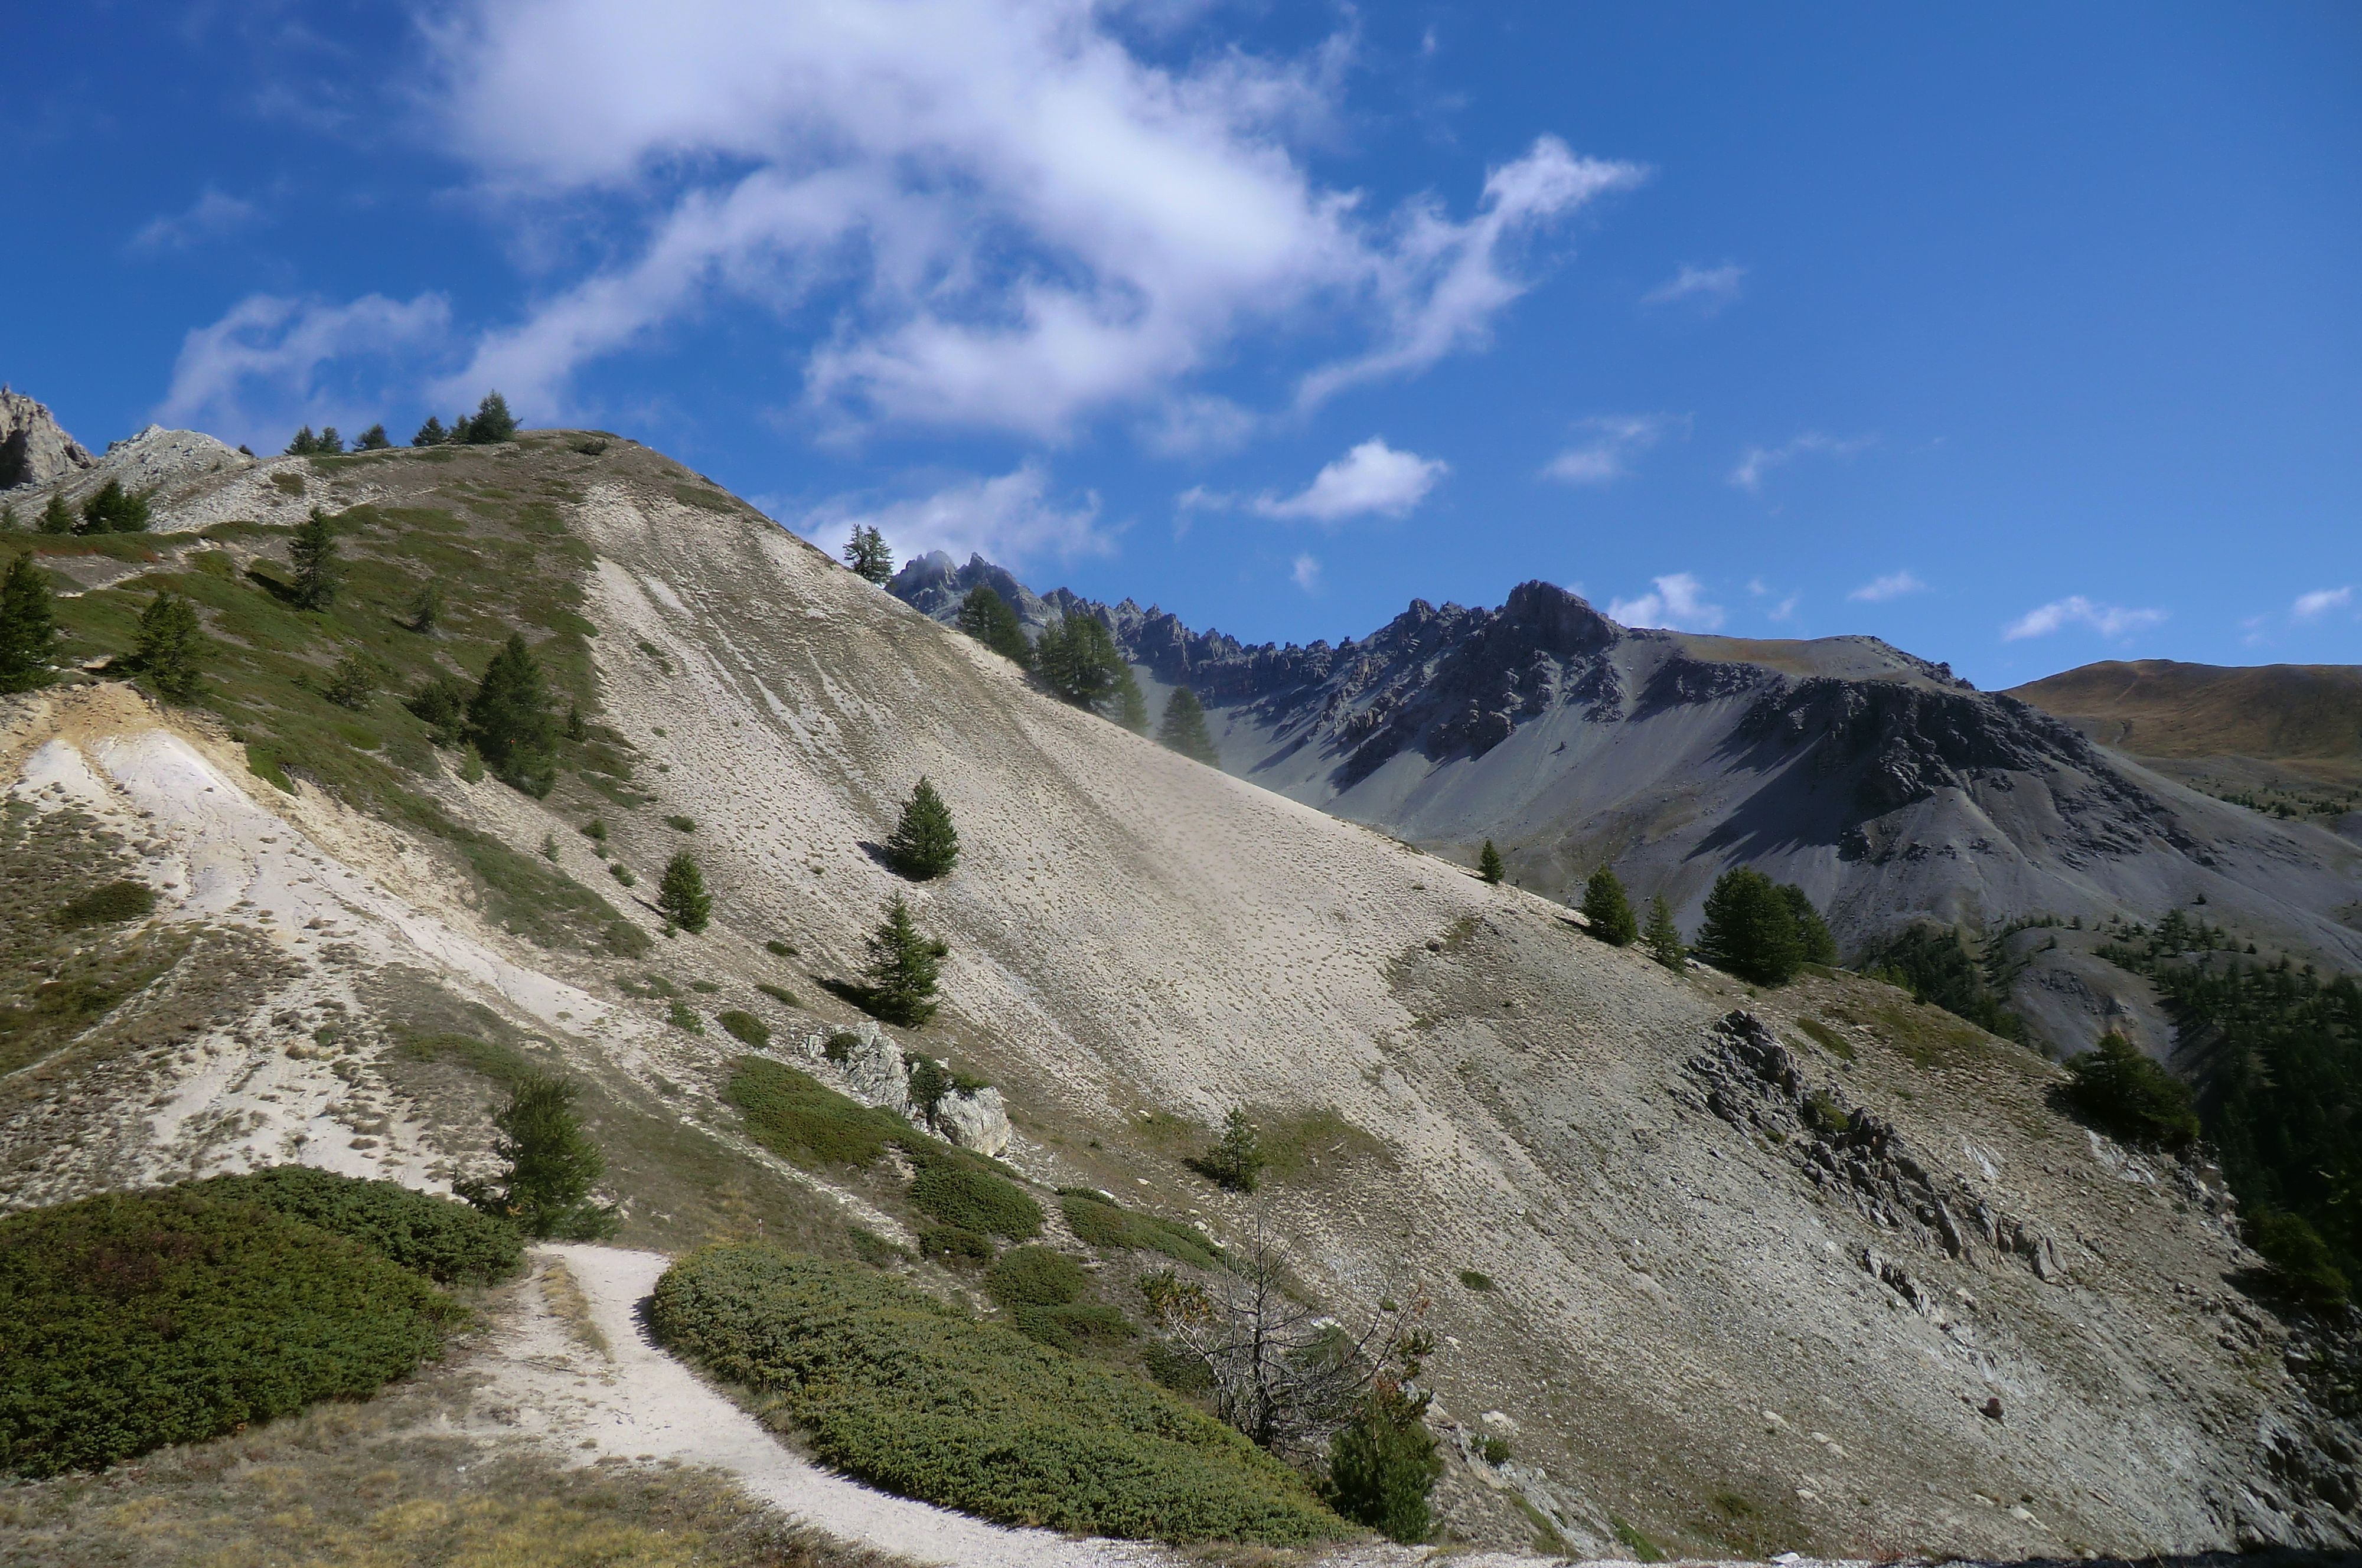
(1488, 863)
(804, 1121)
(778, 949)
(445, 1240)
(1497, 1451)
(1047, 1297)
(1663, 938)
(682, 895)
(551, 1166)
(780, 994)
(136, 1319)
(953, 1245)
(683, 1016)
(1237, 1161)
(1382, 1465)
(595, 831)
(1097, 1221)
(1607, 911)
(108, 905)
(2132, 1095)
(352, 683)
(903, 968)
(172, 645)
(2302, 1269)
(1825, 1116)
(28, 633)
(1750, 929)
(987, 617)
(912, 1396)
(682, 824)
(1475, 1279)
(925, 845)
(621, 873)
(952, 1192)
(745, 1026)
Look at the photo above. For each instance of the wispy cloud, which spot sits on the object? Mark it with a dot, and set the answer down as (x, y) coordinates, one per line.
(211, 215)
(2321, 602)
(1710, 288)
(1761, 460)
(1759, 589)
(2108, 620)
(1610, 443)
(1373, 479)
(1677, 600)
(1893, 585)
(271, 361)
(1008, 519)
(1306, 573)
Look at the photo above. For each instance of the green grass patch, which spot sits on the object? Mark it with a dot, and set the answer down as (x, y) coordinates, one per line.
(1826, 1038)
(704, 499)
(138, 1320)
(780, 994)
(804, 1121)
(915, 1397)
(1097, 1221)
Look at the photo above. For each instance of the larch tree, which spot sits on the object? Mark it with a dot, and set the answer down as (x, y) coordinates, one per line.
(925, 844)
(1608, 909)
(904, 966)
(29, 632)
(1183, 728)
(171, 646)
(985, 615)
(313, 553)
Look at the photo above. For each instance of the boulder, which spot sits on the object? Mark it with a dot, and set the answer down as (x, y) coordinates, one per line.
(874, 1071)
(974, 1119)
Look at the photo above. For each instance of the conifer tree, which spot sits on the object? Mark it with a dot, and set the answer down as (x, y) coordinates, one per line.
(1382, 1464)
(1488, 863)
(1080, 661)
(1663, 938)
(8, 517)
(1815, 942)
(29, 632)
(313, 551)
(303, 444)
(577, 729)
(1608, 909)
(374, 439)
(866, 553)
(925, 844)
(112, 508)
(987, 617)
(1750, 930)
(903, 968)
(170, 646)
(509, 718)
(425, 608)
(1183, 728)
(331, 442)
(682, 895)
(431, 434)
(492, 422)
(1237, 1160)
(551, 1166)
(57, 517)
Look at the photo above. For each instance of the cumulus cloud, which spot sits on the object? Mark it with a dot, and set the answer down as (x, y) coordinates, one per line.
(1007, 520)
(1373, 479)
(273, 362)
(1007, 217)
(1677, 601)
(2321, 602)
(214, 213)
(1710, 288)
(1893, 585)
(1306, 573)
(2108, 620)
(1761, 460)
(1610, 443)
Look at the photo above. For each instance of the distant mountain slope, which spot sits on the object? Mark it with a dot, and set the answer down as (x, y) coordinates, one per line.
(1891, 789)
(2309, 715)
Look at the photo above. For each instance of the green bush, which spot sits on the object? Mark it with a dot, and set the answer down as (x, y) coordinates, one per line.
(2132, 1095)
(780, 994)
(953, 1245)
(806, 1122)
(108, 905)
(1097, 1221)
(441, 1238)
(1382, 1464)
(1475, 1279)
(1048, 1298)
(954, 1193)
(2302, 1269)
(912, 1396)
(745, 1026)
(136, 1319)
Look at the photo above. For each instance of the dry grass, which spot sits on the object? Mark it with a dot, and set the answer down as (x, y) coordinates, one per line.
(570, 1307)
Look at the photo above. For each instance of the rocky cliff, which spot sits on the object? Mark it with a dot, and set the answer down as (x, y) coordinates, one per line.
(33, 450)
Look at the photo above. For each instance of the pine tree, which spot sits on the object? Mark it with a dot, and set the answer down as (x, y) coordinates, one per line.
(509, 718)
(331, 444)
(925, 844)
(987, 617)
(1382, 1464)
(57, 517)
(1608, 909)
(8, 517)
(303, 444)
(431, 434)
(551, 1166)
(903, 969)
(492, 422)
(1488, 863)
(313, 551)
(112, 508)
(1183, 728)
(170, 646)
(1663, 938)
(1815, 942)
(425, 608)
(866, 553)
(1237, 1160)
(682, 895)
(1750, 930)
(1131, 707)
(577, 729)
(374, 439)
(1078, 661)
(29, 632)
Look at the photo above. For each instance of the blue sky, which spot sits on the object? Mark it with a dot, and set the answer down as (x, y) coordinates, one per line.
(2020, 336)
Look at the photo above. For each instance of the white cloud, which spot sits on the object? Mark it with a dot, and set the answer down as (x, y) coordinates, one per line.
(1893, 585)
(2321, 602)
(215, 213)
(1677, 601)
(1760, 460)
(1007, 519)
(1711, 287)
(1007, 217)
(2108, 620)
(273, 362)
(1610, 442)
(1373, 479)
(1306, 573)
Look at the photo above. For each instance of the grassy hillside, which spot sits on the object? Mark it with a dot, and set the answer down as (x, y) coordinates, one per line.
(2274, 712)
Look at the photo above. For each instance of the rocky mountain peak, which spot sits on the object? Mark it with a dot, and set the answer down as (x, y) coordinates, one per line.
(34, 449)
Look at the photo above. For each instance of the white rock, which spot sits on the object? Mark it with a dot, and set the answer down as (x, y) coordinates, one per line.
(975, 1119)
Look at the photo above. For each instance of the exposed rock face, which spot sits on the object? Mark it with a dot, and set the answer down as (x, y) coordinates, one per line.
(33, 450)
(934, 586)
(876, 1071)
(974, 1119)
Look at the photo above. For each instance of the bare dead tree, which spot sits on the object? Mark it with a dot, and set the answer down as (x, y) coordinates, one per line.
(1283, 1371)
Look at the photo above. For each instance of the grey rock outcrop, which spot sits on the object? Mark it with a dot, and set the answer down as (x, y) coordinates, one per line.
(974, 1119)
(876, 1071)
(33, 448)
